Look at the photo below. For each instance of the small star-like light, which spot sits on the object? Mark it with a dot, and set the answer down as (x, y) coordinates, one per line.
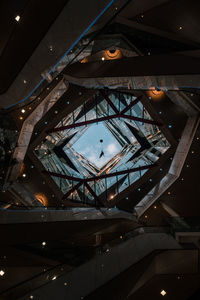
(2, 272)
(169, 193)
(163, 293)
(23, 110)
(155, 207)
(55, 111)
(180, 28)
(103, 58)
(25, 81)
(65, 283)
(17, 18)
(54, 278)
(44, 243)
(21, 118)
(146, 216)
(31, 296)
(24, 175)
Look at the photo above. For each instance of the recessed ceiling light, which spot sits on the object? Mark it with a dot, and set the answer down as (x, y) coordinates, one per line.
(17, 18)
(163, 293)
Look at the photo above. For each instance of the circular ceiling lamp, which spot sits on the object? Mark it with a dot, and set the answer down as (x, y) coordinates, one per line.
(155, 94)
(42, 198)
(113, 54)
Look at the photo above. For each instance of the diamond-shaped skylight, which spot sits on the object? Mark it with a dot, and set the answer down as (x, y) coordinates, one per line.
(97, 144)
(102, 147)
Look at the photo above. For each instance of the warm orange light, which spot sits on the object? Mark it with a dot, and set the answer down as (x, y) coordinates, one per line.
(21, 171)
(42, 198)
(84, 60)
(113, 54)
(155, 94)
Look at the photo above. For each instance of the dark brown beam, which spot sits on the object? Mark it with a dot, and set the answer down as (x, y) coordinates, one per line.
(72, 190)
(93, 194)
(89, 179)
(118, 116)
(109, 101)
(131, 105)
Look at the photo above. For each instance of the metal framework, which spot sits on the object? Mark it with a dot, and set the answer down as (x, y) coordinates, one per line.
(85, 181)
(117, 116)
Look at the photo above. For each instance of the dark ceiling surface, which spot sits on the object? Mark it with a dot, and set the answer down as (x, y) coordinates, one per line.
(21, 251)
(19, 39)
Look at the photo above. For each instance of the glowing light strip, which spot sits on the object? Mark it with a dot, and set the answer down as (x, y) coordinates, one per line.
(66, 53)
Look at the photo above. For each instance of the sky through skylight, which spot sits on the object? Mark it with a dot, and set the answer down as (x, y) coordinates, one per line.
(90, 147)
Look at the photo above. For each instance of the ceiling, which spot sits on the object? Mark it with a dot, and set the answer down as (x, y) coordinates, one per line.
(155, 38)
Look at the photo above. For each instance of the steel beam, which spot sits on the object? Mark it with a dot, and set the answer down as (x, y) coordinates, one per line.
(93, 194)
(131, 104)
(107, 118)
(95, 178)
(109, 101)
(72, 190)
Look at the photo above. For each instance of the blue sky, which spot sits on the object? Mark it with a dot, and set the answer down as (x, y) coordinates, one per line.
(89, 144)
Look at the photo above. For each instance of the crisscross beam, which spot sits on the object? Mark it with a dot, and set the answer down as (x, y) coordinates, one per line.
(107, 118)
(95, 178)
